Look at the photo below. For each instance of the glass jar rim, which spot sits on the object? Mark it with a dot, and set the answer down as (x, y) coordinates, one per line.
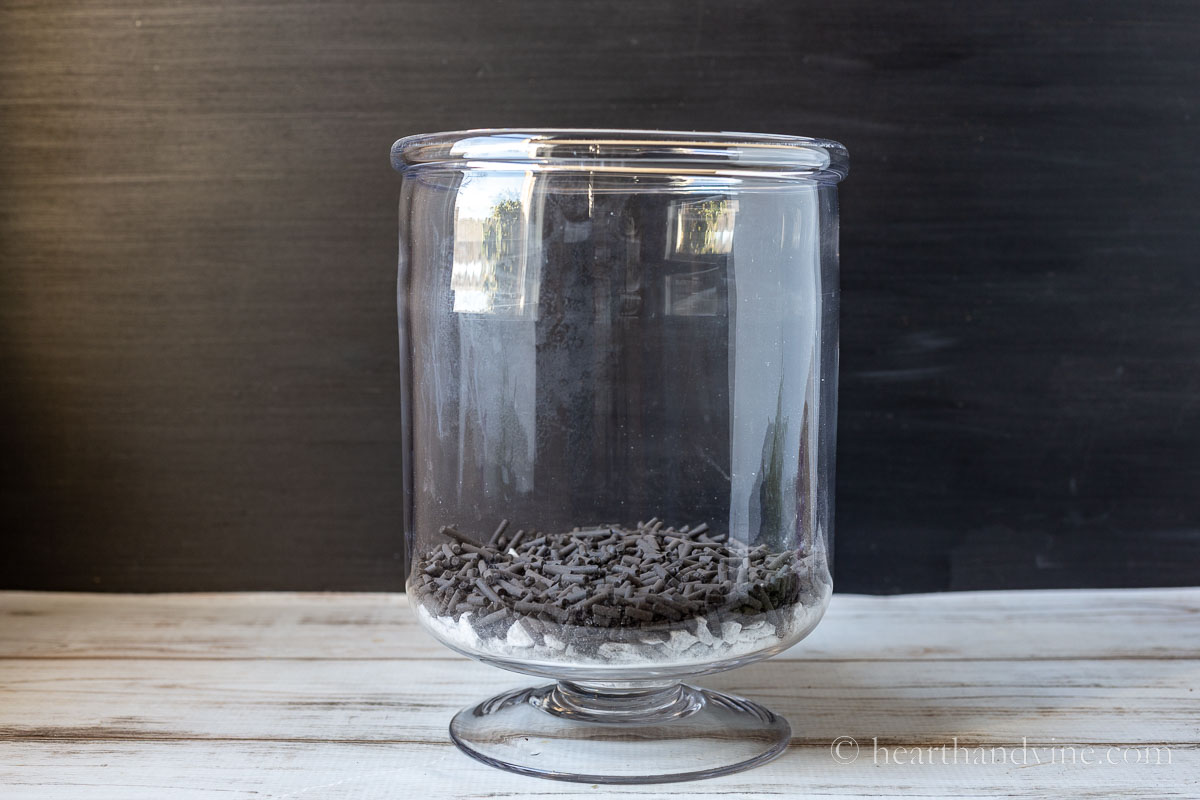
(628, 151)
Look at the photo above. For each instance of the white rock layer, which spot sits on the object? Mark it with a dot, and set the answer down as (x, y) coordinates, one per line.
(691, 643)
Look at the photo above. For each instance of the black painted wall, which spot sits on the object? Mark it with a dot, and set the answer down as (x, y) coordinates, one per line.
(198, 386)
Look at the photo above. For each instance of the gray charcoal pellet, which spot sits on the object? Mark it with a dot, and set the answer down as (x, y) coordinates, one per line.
(596, 598)
(498, 533)
(779, 560)
(512, 588)
(495, 616)
(527, 607)
(451, 532)
(487, 591)
(537, 576)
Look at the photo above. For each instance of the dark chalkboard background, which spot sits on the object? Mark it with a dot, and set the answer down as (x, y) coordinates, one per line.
(198, 383)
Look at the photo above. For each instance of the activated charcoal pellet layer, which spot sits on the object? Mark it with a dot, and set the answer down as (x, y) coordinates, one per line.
(610, 591)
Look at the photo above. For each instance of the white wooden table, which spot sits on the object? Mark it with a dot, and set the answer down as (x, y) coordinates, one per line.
(342, 696)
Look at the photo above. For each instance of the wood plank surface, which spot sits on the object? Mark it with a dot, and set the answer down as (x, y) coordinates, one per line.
(962, 625)
(344, 696)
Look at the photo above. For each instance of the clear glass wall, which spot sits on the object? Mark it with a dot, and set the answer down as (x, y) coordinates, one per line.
(620, 362)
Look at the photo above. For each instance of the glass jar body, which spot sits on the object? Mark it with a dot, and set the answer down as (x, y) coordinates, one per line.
(619, 413)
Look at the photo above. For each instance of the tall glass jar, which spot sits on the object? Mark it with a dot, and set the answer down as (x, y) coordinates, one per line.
(619, 363)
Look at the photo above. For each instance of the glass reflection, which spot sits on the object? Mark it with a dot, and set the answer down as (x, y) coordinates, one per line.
(700, 228)
(496, 260)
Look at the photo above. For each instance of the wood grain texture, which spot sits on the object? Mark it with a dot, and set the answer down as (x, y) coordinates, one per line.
(198, 386)
(940, 627)
(343, 696)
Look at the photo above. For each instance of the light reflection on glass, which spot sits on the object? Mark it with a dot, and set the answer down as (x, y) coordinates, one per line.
(699, 228)
(695, 294)
(496, 265)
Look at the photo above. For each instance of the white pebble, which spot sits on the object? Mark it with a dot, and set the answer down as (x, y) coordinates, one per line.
(616, 650)
(466, 631)
(518, 636)
(680, 641)
(764, 633)
(702, 631)
(553, 642)
(730, 630)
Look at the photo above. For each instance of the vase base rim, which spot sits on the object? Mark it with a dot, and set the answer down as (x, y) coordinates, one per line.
(587, 734)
